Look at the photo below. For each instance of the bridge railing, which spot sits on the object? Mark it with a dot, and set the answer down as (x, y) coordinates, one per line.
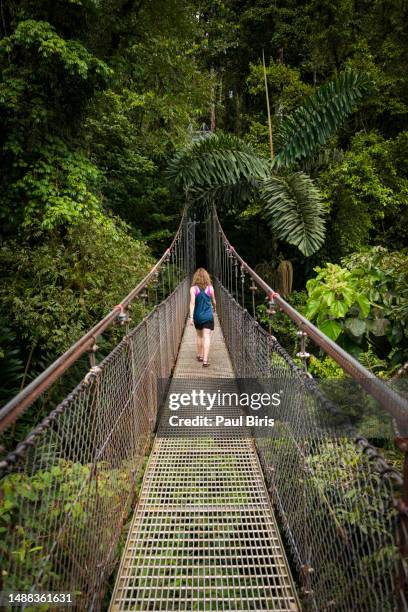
(169, 270)
(234, 273)
(342, 506)
(67, 489)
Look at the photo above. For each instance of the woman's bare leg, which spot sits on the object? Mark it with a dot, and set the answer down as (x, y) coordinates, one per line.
(206, 344)
(199, 342)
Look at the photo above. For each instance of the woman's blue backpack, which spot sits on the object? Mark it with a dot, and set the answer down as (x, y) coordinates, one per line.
(203, 310)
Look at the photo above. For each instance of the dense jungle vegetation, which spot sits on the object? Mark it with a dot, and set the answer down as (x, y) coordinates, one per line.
(99, 100)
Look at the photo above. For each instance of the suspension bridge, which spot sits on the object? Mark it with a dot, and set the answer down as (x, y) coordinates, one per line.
(309, 516)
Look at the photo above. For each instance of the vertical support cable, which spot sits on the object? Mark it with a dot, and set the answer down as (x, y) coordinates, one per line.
(253, 289)
(243, 286)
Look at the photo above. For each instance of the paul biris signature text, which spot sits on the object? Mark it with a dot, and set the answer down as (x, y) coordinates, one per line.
(221, 421)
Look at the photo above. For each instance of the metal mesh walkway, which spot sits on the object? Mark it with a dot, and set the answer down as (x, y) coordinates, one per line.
(204, 536)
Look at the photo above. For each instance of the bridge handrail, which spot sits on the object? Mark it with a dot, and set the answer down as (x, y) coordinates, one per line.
(27, 396)
(389, 399)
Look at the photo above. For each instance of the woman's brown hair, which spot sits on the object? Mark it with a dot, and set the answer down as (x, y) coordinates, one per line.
(201, 278)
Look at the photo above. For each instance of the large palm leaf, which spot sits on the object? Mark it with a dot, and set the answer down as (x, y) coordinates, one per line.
(221, 168)
(310, 125)
(294, 210)
(224, 169)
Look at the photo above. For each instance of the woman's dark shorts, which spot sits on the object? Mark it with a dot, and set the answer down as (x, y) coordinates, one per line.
(206, 325)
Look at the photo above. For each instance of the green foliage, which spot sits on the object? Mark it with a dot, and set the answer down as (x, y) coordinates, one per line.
(258, 138)
(350, 491)
(38, 68)
(320, 116)
(280, 325)
(53, 292)
(45, 181)
(285, 86)
(11, 365)
(332, 294)
(295, 211)
(364, 305)
(61, 188)
(383, 278)
(40, 37)
(93, 97)
(368, 193)
(286, 92)
(168, 92)
(324, 367)
(222, 167)
(340, 466)
(308, 45)
(66, 151)
(372, 362)
(225, 169)
(132, 185)
(64, 490)
(386, 108)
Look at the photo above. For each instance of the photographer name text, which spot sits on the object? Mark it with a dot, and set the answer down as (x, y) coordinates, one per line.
(221, 421)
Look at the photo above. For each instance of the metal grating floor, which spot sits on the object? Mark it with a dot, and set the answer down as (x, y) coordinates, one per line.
(203, 536)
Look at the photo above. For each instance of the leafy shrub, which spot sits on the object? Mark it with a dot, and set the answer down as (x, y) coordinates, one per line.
(281, 326)
(11, 365)
(367, 193)
(364, 304)
(325, 367)
(55, 291)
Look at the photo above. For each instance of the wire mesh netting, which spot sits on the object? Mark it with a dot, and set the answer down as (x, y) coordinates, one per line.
(69, 487)
(336, 496)
(204, 536)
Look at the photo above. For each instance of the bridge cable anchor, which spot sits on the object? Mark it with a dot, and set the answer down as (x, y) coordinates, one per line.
(123, 317)
(92, 353)
(94, 371)
(253, 288)
(155, 284)
(271, 309)
(303, 354)
(144, 296)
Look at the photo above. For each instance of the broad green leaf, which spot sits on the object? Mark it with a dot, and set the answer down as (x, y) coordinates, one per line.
(312, 124)
(364, 304)
(331, 328)
(312, 308)
(339, 309)
(294, 210)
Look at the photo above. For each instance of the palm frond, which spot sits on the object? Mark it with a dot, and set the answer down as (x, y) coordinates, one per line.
(227, 195)
(310, 125)
(294, 210)
(220, 160)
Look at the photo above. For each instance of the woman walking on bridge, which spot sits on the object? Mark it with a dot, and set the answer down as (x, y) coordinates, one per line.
(202, 308)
